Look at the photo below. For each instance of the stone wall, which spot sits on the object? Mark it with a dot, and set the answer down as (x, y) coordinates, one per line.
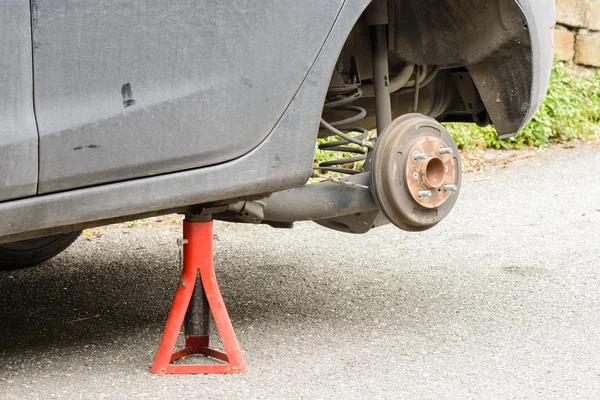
(577, 33)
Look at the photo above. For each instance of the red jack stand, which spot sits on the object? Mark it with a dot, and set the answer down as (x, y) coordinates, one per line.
(194, 300)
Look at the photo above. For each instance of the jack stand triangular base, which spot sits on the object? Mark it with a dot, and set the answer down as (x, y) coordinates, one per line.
(194, 300)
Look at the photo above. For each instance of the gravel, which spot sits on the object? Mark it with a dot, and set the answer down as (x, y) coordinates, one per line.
(500, 300)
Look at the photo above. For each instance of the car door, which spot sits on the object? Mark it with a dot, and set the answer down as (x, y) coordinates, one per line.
(128, 89)
(18, 135)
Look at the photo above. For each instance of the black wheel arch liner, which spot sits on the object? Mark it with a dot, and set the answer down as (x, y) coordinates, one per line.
(505, 45)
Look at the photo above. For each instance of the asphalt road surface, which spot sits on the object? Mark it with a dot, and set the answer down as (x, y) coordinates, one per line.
(500, 300)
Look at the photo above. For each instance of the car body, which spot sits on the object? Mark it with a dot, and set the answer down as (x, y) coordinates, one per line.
(113, 110)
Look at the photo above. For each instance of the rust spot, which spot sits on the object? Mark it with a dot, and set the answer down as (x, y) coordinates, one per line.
(435, 169)
(431, 173)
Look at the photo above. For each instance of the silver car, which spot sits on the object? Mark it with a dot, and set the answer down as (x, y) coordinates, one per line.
(112, 110)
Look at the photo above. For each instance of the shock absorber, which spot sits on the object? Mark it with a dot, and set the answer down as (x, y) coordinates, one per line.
(377, 19)
(340, 99)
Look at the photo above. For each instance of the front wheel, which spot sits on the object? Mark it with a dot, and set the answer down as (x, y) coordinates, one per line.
(33, 251)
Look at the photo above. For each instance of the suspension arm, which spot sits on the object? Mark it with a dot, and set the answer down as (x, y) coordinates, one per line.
(320, 201)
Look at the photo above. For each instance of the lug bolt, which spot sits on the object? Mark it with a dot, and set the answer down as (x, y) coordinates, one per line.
(420, 156)
(424, 193)
(450, 188)
(445, 150)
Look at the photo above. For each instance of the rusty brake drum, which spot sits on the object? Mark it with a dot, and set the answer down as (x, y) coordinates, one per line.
(416, 172)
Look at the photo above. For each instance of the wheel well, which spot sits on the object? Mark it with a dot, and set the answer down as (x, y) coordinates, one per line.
(460, 47)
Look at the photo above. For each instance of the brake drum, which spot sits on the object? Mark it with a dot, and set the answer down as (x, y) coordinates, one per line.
(416, 172)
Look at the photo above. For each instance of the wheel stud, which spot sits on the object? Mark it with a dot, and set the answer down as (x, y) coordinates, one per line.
(449, 188)
(445, 150)
(424, 193)
(420, 156)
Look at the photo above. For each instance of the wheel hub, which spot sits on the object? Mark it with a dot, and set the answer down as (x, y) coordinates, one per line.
(432, 175)
(415, 172)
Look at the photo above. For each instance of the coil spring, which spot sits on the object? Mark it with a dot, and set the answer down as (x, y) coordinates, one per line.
(341, 100)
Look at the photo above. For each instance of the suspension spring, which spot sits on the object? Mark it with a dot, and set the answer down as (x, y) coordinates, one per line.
(340, 100)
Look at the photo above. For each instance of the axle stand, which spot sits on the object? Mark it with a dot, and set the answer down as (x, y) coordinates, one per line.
(196, 297)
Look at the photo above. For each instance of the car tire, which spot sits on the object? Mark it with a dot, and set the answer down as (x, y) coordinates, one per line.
(30, 252)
